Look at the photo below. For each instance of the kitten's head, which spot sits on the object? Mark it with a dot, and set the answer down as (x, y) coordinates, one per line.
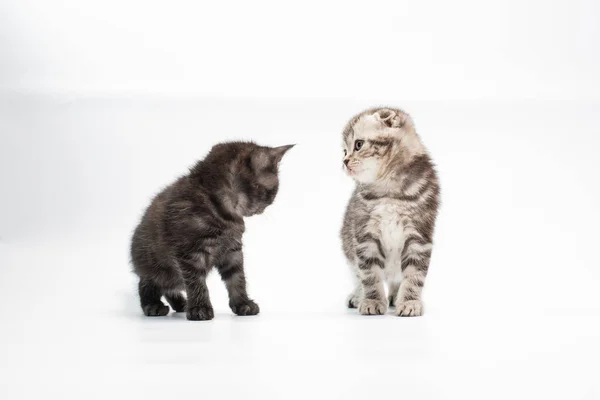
(376, 142)
(257, 178)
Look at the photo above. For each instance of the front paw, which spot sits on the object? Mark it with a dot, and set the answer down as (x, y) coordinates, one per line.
(409, 308)
(200, 313)
(372, 307)
(247, 307)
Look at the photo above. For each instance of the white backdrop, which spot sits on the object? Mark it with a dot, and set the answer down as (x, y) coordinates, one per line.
(102, 104)
(392, 50)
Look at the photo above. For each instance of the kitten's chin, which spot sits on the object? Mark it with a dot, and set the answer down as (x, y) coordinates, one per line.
(363, 174)
(364, 177)
(352, 173)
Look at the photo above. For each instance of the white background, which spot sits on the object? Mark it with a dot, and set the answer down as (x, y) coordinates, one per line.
(104, 103)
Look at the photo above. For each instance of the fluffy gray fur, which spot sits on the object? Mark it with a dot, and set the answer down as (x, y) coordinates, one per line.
(197, 223)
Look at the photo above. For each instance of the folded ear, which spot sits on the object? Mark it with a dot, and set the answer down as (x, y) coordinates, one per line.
(278, 152)
(391, 118)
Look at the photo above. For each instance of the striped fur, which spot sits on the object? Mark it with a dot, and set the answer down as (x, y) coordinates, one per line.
(388, 227)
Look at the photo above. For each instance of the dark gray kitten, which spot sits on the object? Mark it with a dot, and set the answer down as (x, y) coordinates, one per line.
(197, 223)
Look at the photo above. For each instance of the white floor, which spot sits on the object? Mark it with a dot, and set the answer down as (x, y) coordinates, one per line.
(512, 299)
(69, 334)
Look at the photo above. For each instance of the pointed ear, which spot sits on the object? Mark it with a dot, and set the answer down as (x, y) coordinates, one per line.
(278, 152)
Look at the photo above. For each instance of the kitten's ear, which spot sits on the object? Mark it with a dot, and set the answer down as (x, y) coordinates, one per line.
(277, 153)
(391, 118)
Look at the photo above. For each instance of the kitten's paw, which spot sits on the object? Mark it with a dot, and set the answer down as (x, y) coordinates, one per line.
(248, 307)
(372, 307)
(353, 300)
(410, 308)
(177, 302)
(201, 313)
(155, 310)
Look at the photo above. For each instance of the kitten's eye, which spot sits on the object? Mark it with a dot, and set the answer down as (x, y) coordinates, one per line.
(358, 144)
(345, 153)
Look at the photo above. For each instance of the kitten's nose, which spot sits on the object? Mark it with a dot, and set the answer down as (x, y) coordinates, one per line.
(346, 161)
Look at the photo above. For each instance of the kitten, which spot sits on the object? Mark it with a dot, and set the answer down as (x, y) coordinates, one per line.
(388, 227)
(197, 223)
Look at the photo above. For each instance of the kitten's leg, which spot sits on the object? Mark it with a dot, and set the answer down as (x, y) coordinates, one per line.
(150, 295)
(374, 301)
(176, 300)
(370, 270)
(199, 307)
(231, 269)
(415, 262)
(371, 262)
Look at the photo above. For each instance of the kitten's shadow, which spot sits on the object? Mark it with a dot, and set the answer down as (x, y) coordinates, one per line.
(137, 314)
(218, 316)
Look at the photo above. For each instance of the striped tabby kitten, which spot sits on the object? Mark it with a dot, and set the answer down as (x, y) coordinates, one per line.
(197, 223)
(388, 226)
